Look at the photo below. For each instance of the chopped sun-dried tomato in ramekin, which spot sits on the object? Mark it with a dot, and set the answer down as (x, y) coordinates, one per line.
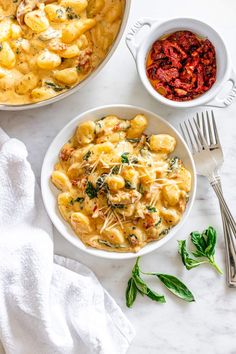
(181, 66)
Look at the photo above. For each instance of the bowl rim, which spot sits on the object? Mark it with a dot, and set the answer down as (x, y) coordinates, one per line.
(73, 239)
(205, 97)
(116, 42)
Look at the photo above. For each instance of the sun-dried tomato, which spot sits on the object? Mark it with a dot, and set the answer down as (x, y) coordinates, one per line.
(182, 66)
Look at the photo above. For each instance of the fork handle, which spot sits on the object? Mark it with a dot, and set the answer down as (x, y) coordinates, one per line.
(217, 188)
(230, 248)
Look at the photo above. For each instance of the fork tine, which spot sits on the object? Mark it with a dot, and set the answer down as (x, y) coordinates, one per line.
(202, 139)
(183, 133)
(209, 129)
(199, 146)
(198, 121)
(190, 138)
(217, 139)
(204, 128)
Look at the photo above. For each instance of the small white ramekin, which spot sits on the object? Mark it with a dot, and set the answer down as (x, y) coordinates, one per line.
(158, 28)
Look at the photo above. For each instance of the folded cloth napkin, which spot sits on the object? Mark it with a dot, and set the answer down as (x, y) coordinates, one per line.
(47, 305)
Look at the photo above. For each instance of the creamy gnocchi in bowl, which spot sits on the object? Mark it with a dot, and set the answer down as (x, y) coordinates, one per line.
(120, 188)
(47, 47)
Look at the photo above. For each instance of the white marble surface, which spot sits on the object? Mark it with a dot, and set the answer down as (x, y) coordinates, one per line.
(208, 325)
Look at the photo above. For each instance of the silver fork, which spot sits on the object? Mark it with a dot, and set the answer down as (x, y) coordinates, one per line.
(208, 128)
(208, 155)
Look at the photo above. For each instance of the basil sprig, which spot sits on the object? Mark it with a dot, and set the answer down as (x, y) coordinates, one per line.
(205, 244)
(137, 285)
(175, 286)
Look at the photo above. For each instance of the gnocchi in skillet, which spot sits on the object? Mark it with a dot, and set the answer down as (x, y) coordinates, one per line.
(49, 46)
(120, 188)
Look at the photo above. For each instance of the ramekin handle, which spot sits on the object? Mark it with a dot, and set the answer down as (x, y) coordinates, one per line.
(131, 35)
(228, 100)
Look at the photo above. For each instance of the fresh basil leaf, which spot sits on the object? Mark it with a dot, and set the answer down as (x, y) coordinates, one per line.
(176, 287)
(151, 209)
(91, 191)
(199, 242)
(115, 170)
(210, 235)
(186, 259)
(124, 158)
(131, 292)
(77, 200)
(109, 244)
(55, 87)
(158, 223)
(101, 184)
(156, 297)
(140, 284)
(133, 140)
(174, 163)
(118, 206)
(87, 155)
(128, 185)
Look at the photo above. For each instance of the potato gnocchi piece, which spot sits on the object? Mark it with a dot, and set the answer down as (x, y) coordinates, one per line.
(85, 132)
(115, 182)
(42, 93)
(66, 76)
(171, 216)
(134, 234)
(77, 5)
(137, 126)
(80, 223)
(7, 56)
(74, 30)
(132, 176)
(56, 13)
(64, 204)
(27, 83)
(163, 143)
(115, 236)
(36, 20)
(5, 29)
(184, 179)
(61, 181)
(171, 194)
(48, 60)
(70, 52)
(75, 170)
(104, 148)
(15, 32)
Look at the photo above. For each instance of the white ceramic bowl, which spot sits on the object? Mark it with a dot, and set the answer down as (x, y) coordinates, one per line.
(49, 192)
(158, 28)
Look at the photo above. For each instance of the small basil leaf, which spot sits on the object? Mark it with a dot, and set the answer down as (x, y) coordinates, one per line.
(199, 241)
(210, 235)
(140, 284)
(124, 158)
(176, 287)
(156, 297)
(131, 292)
(91, 191)
(115, 170)
(186, 259)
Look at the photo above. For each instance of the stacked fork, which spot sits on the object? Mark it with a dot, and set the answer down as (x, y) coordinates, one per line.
(202, 137)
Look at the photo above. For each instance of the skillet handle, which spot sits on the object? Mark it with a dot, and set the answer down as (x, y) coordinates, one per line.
(131, 35)
(228, 100)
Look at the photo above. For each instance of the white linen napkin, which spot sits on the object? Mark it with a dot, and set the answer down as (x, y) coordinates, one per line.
(47, 306)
